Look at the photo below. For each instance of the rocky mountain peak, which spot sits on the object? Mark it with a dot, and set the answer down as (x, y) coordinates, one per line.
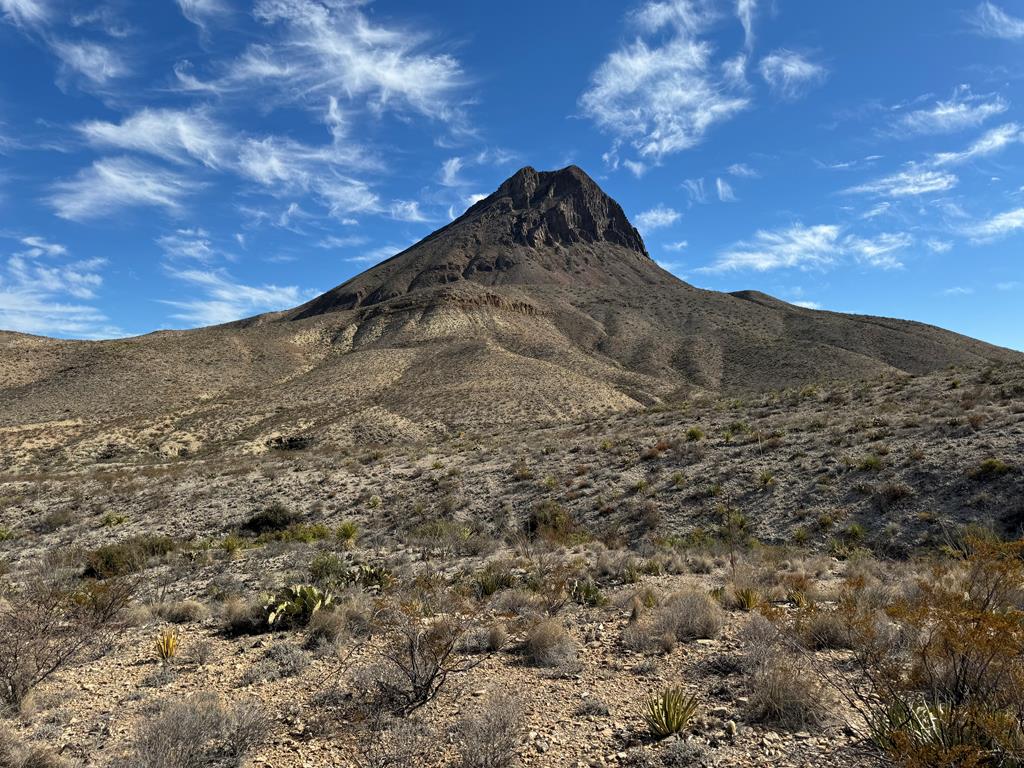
(545, 208)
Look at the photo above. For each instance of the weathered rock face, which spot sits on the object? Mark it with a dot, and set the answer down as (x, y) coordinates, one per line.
(559, 207)
(554, 228)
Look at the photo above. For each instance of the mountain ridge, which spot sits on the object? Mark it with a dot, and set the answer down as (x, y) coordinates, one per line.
(539, 304)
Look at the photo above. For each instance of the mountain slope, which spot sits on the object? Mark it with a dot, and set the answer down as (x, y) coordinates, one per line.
(539, 303)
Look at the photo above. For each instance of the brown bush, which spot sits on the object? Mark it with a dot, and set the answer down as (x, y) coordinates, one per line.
(50, 623)
(550, 645)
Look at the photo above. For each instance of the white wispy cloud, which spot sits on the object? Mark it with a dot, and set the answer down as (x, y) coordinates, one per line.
(996, 227)
(96, 62)
(962, 110)
(450, 172)
(814, 247)
(992, 21)
(908, 183)
(41, 292)
(407, 210)
(991, 142)
(378, 254)
(695, 189)
(188, 244)
(794, 246)
(724, 189)
(658, 217)
(938, 246)
(199, 12)
(334, 49)
(663, 95)
(743, 171)
(677, 246)
(25, 12)
(223, 298)
(790, 74)
(110, 184)
(172, 134)
(806, 304)
(879, 251)
(958, 290)
(746, 9)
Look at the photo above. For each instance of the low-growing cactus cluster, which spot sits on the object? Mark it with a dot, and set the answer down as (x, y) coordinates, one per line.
(295, 605)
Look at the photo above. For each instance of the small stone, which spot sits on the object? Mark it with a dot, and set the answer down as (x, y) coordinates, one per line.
(730, 727)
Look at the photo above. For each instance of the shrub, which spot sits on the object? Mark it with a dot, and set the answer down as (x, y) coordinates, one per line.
(954, 696)
(688, 615)
(16, 754)
(348, 533)
(275, 517)
(242, 617)
(126, 557)
(888, 495)
(325, 628)
(586, 592)
(280, 660)
(48, 624)
(417, 659)
(669, 712)
(989, 469)
(822, 630)
(549, 645)
(694, 434)
(782, 694)
(870, 463)
(197, 732)
(489, 737)
(181, 611)
(550, 520)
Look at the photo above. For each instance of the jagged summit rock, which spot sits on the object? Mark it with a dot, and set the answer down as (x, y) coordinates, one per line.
(538, 228)
(539, 303)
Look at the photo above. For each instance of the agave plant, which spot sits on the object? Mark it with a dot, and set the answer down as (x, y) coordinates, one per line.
(295, 605)
(669, 712)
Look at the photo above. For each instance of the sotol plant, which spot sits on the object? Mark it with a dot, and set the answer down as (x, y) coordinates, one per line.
(668, 712)
(167, 645)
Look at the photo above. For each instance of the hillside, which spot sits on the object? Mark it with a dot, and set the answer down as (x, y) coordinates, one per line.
(539, 304)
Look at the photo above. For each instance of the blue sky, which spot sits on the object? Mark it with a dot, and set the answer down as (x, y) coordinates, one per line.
(175, 163)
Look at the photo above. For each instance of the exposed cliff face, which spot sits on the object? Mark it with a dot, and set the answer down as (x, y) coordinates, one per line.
(559, 208)
(538, 228)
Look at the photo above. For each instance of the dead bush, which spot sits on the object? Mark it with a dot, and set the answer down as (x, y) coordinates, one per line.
(198, 732)
(15, 753)
(688, 615)
(550, 645)
(52, 622)
(490, 736)
(783, 694)
(181, 611)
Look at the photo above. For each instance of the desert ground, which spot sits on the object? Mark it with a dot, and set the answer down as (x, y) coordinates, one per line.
(788, 574)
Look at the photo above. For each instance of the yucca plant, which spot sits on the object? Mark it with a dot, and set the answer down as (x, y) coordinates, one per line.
(348, 532)
(747, 598)
(669, 712)
(295, 605)
(167, 645)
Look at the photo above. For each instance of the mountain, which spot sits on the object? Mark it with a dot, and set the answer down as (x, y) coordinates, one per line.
(540, 303)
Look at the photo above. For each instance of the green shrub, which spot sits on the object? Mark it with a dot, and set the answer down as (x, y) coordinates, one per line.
(550, 520)
(276, 517)
(669, 712)
(127, 556)
(586, 592)
(348, 532)
(989, 469)
(693, 434)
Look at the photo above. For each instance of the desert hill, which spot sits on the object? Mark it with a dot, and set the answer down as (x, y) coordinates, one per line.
(539, 304)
